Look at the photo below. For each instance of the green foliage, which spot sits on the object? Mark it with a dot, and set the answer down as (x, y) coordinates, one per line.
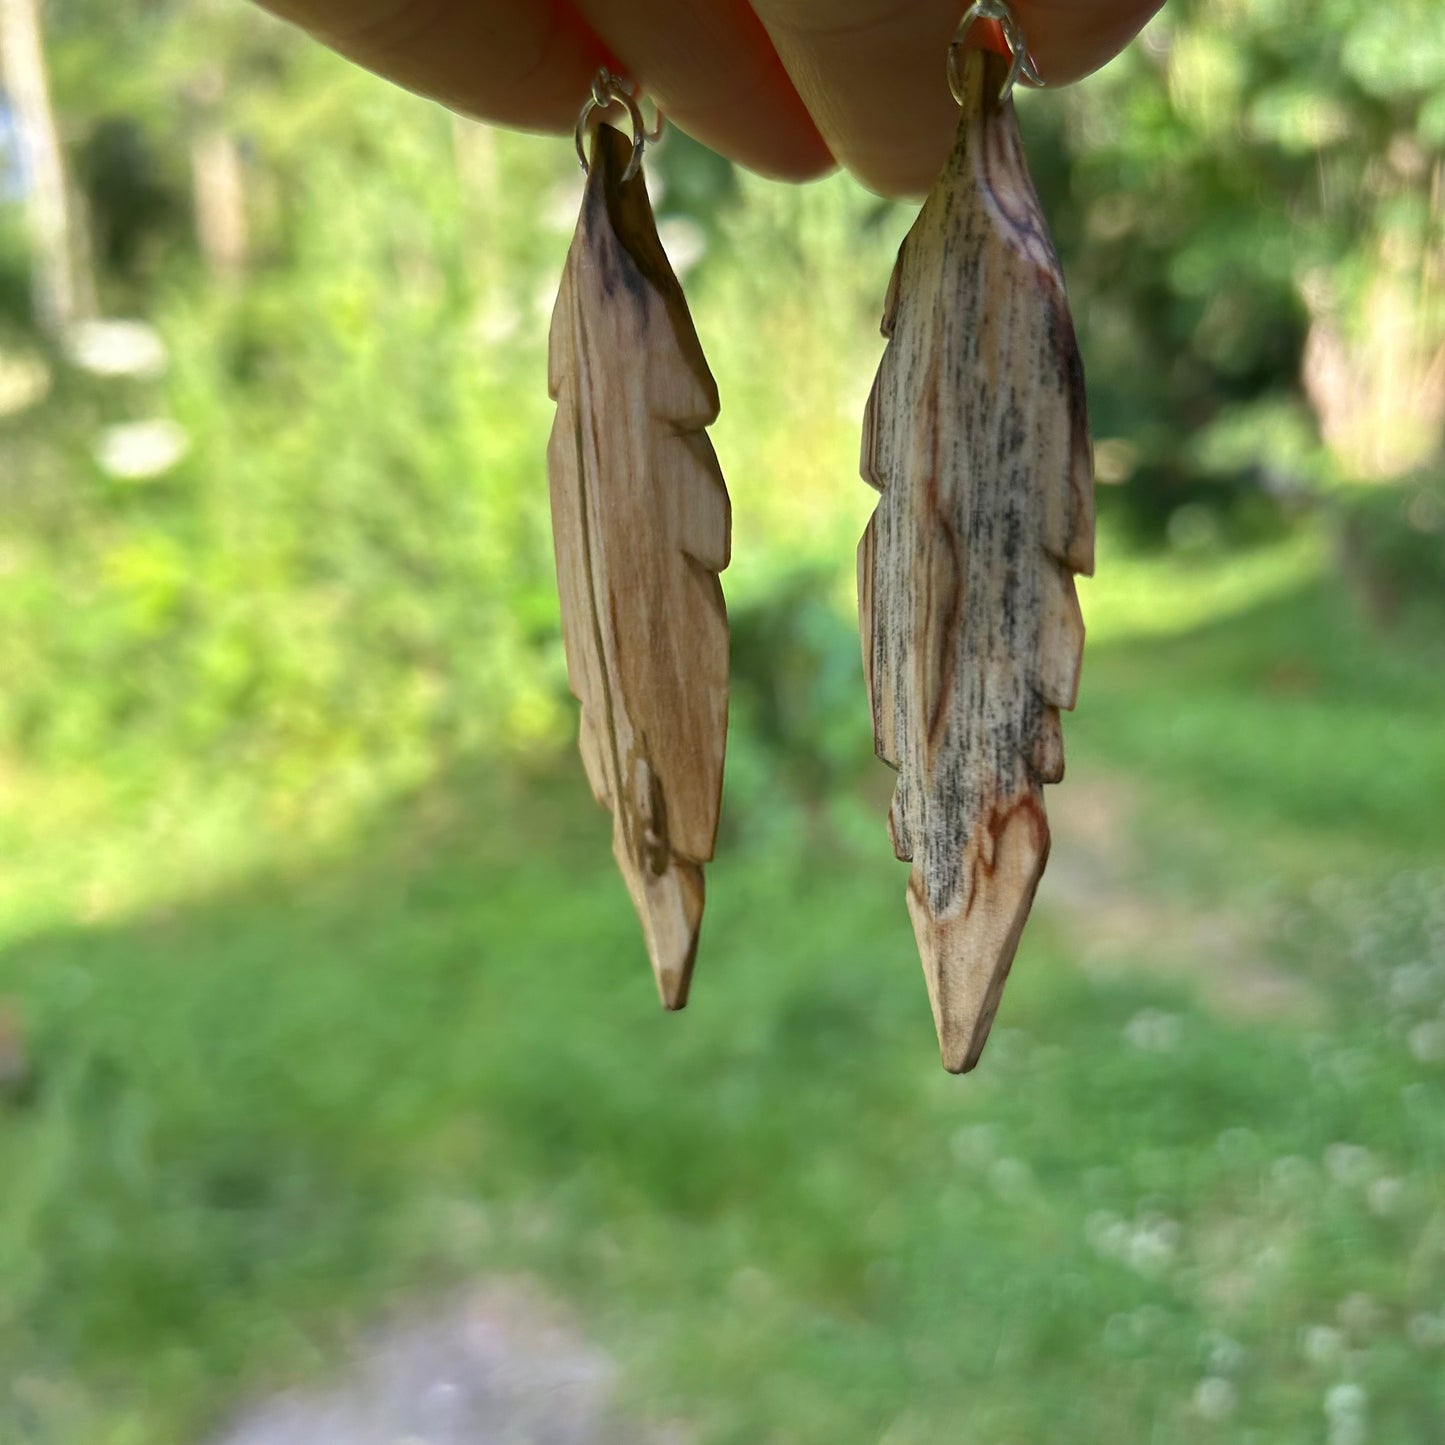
(1394, 545)
(352, 562)
(798, 733)
(14, 271)
(1233, 182)
(1290, 707)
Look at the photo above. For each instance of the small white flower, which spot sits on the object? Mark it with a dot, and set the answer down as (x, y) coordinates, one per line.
(1152, 1031)
(1384, 1196)
(134, 451)
(1346, 1398)
(1011, 1178)
(1322, 1345)
(1358, 1313)
(117, 348)
(1346, 1430)
(1413, 984)
(1349, 1164)
(1269, 1258)
(1215, 1398)
(1345, 1411)
(1151, 1247)
(974, 1143)
(1226, 1355)
(1427, 1041)
(1106, 1233)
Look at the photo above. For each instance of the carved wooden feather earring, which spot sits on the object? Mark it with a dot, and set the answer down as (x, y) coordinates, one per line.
(977, 437)
(641, 523)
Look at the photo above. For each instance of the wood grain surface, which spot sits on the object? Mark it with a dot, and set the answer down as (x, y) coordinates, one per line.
(977, 438)
(642, 525)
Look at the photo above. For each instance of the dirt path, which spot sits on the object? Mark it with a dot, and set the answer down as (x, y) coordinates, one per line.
(500, 1367)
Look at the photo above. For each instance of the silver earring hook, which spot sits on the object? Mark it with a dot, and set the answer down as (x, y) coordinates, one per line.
(1021, 63)
(609, 89)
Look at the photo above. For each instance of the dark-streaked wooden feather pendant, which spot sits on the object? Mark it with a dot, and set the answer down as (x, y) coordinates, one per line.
(977, 438)
(641, 521)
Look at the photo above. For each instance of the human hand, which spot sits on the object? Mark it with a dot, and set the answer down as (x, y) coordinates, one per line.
(786, 87)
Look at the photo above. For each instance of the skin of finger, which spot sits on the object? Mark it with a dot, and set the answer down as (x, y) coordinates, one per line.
(873, 72)
(521, 63)
(711, 67)
(1070, 40)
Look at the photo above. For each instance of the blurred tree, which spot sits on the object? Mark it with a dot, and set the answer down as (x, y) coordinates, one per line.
(1258, 246)
(59, 276)
(131, 198)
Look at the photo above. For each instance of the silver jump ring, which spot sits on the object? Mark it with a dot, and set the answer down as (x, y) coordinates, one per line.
(1021, 63)
(609, 89)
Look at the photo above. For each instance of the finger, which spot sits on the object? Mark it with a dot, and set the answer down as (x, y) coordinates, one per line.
(873, 72)
(710, 66)
(523, 63)
(1070, 40)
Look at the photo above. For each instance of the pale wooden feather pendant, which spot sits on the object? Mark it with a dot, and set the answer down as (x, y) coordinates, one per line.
(641, 522)
(976, 435)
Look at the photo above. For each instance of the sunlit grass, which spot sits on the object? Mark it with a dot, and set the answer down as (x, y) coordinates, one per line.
(1168, 593)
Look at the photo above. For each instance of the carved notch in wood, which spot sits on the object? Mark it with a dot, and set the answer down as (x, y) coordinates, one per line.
(642, 525)
(977, 438)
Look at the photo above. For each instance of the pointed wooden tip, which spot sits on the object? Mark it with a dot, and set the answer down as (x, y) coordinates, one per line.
(967, 954)
(669, 906)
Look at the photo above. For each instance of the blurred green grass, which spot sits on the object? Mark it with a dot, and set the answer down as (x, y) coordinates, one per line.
(1253, 681)
(431, 1051)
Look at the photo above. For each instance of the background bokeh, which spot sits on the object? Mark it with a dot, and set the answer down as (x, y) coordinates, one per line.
(319, 997)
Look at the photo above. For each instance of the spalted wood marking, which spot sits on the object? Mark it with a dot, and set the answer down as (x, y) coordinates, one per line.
(977, 438)
(641, 521)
